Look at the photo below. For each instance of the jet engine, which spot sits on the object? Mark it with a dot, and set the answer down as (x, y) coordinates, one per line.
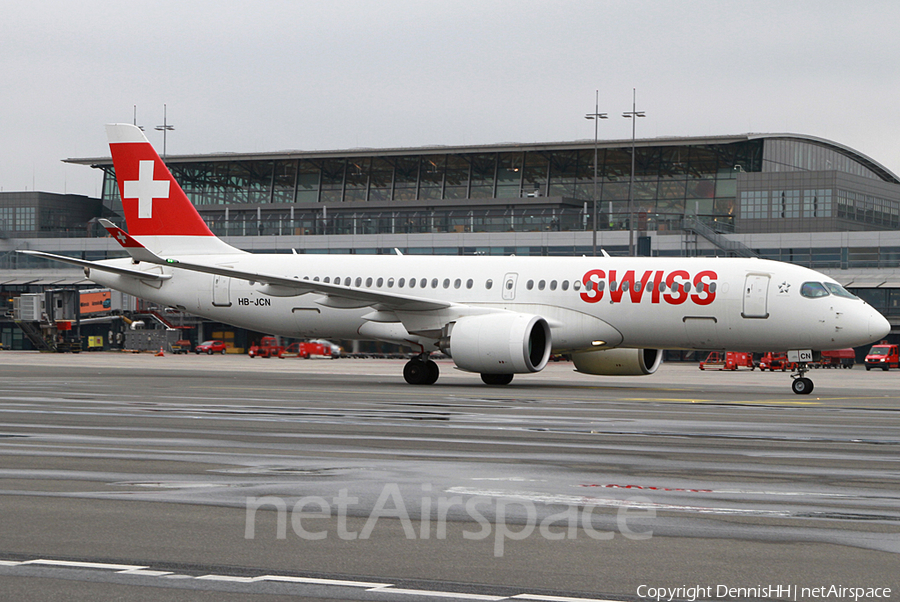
(618, 362)
(501, 343)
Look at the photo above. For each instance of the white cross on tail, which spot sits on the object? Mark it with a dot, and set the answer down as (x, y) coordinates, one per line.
(145, 189)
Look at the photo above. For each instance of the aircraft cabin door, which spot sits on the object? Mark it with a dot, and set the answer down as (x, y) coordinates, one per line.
(509, 286)
(756, 293)
(221, 286)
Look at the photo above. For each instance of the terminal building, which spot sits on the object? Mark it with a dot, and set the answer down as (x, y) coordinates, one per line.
(788, 197)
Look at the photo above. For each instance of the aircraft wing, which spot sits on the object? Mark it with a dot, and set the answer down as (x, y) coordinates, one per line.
(282, 286)
(338, 296)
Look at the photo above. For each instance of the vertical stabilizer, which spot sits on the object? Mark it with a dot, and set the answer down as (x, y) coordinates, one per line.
(157, 210)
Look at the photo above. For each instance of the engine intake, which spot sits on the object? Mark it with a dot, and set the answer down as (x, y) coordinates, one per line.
(501, 343)
(618, 362)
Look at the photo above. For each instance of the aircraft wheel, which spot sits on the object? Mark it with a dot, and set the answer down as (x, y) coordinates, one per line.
(415, 372)
(432, 372)
(802, 386)
(497, 379)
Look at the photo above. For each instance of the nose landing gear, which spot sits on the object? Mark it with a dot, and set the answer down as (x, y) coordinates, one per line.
(801, 384)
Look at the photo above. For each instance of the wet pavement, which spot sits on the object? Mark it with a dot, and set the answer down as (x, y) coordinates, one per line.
(558, 485)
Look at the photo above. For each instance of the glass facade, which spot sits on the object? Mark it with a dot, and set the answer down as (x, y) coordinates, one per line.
(733, 184)
(670, 181)
(802, 155)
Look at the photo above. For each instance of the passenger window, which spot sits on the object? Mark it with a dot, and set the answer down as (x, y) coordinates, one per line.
(530, 285)
(813, 290)
(434, 282)
(588, 286)
(612, 286)
(565, 285)
(401, 283)
(358, 281)
(470, 283)
(542, 284)
(457, 283)
(489, 284)
(424, 282)
(380, 282)
(315, 279)
(390, 283)
(446, 283)
(327, 279)
(368, 281)
(576, 285)
(553, 285)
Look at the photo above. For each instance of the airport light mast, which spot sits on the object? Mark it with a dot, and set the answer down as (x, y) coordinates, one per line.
(596, 116)
(633, 114)
(164, 128)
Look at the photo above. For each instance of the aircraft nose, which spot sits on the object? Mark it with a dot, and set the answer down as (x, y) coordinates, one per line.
(879, 327)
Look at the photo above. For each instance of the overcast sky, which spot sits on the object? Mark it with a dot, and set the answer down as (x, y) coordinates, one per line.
(268, 76)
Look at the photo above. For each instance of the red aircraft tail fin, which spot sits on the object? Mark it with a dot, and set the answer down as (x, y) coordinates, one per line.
(154, 203)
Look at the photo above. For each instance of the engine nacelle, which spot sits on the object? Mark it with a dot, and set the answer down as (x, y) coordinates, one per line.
(501, 343)
(618, 362)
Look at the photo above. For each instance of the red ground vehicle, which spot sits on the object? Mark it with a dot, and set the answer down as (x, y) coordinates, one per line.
(838, 358)
(210, 347)
(268, 347)
(776, 361)
(884, 356)
(181, 346)
(729, 360)
(305, 350)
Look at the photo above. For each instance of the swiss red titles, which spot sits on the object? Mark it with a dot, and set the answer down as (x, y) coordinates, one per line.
(658, 286)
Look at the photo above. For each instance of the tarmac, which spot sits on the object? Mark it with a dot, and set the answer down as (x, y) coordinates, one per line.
(136, 477)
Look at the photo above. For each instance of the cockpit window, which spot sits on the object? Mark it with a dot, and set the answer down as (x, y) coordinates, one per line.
(812, 290)
(839, 291)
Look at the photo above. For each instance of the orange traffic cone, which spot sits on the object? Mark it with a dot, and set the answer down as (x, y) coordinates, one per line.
(160, 354)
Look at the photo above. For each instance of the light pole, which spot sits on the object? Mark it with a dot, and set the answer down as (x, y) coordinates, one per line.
(633, 115)
(164, 128)
(596, 116)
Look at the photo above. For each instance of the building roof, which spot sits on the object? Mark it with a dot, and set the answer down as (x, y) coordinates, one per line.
(870, 163)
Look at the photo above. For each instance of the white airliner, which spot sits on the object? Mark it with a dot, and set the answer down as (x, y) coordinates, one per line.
(496, 316)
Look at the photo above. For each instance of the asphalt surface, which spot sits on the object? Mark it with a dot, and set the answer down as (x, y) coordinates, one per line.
(136, 477)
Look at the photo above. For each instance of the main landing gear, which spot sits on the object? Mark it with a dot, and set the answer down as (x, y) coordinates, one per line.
(421, 371)
(801, 384)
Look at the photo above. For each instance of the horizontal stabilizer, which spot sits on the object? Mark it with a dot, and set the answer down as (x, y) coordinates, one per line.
(93, 265)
